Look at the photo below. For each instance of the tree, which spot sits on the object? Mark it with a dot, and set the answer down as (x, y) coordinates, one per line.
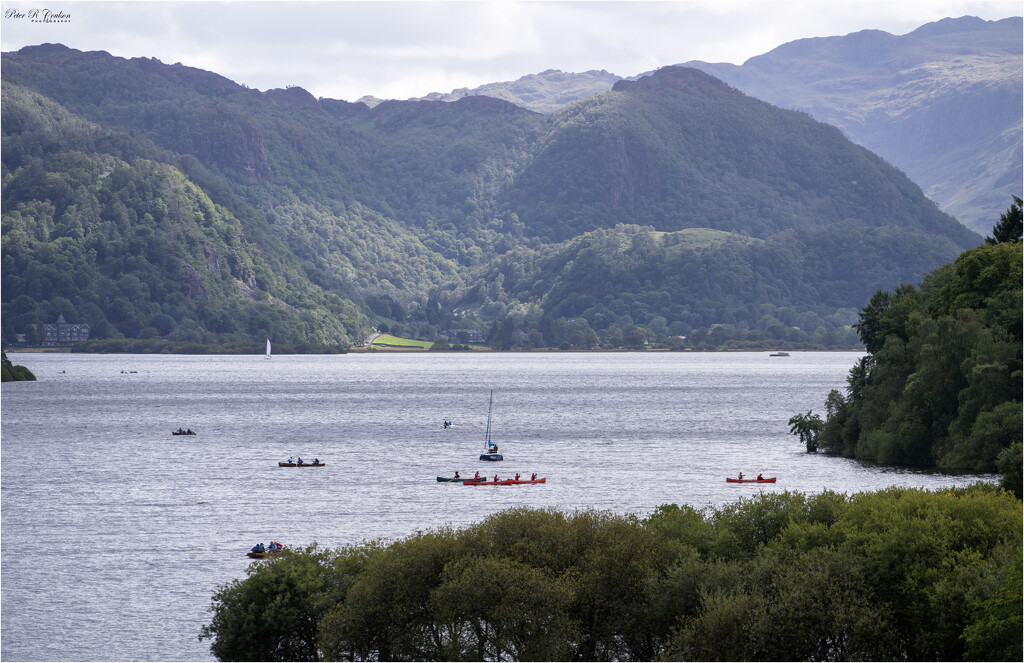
(1009, 465)
(871, 327)
(501, 609)
(274, 614)
(807, 426)
(1010, 226)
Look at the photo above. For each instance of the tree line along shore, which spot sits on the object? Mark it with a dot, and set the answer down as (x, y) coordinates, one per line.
(898, 574)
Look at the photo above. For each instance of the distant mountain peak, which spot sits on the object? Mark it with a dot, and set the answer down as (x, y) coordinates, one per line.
(947, 25)
(294, 96)
(670, 76)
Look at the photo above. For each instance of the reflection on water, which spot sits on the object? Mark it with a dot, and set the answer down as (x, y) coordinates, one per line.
(115, 534)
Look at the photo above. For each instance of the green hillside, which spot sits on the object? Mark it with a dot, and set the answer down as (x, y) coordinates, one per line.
(107, 230)
(635, 285)
(681, 149)
(252, 213)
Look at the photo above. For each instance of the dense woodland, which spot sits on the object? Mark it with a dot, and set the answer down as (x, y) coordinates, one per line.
(942, 383)
(899, 574)
(105, 229)
(163, 204)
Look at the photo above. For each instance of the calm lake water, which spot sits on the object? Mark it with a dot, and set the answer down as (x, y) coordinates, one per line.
(116, 534)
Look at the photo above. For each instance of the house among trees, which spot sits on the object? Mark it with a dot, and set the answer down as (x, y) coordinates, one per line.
(63, 333)
(462, 335)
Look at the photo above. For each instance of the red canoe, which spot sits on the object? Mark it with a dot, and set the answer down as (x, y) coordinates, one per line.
(503, 482)
(731, 480)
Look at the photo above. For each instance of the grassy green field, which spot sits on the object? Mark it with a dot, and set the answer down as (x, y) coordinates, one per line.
(389, 341)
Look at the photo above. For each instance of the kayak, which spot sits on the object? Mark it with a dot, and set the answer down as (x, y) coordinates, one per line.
(503, 482)
(301, 464)
(460, 479)
(731, 480)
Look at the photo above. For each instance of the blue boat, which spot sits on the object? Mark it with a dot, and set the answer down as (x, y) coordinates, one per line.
(491, 448)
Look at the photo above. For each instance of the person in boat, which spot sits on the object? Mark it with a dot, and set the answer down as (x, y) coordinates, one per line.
(456, 474)
(188, 431)
(496, 478)
(300, 461)
(517, 476)
(476, 477)
(760, 478)
(316, 461)
(533, 477)
(741, 475)
(258, 548)
(291, 461)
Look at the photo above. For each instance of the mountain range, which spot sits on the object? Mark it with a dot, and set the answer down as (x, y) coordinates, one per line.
(942, 103)
(159, 201)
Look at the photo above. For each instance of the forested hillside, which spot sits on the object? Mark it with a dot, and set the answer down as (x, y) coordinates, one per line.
(799, 226)
(637, 285)
(942, 385)
(106, 229)
(329, 217)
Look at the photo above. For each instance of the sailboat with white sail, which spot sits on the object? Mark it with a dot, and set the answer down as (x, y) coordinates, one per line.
(491, 447)
(268, 349)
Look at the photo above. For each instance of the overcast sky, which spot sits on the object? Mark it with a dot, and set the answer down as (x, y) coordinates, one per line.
(398, 50)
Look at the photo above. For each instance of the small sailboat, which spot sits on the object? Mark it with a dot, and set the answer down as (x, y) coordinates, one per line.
(491, 447)
(268, 349)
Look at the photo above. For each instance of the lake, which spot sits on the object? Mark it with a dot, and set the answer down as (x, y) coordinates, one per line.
(115, 534)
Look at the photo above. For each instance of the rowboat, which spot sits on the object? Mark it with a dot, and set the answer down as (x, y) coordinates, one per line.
(301, 464)
(184, 432)
(731, 480)
(269, 551)
(460, 479)
(507, 482)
